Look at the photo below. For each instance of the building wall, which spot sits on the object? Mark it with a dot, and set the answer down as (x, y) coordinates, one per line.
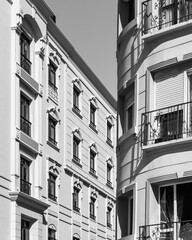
(38, 169)
(143, 58)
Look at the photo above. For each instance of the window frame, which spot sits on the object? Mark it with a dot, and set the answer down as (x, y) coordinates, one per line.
(93, 115)
(76, 203)
(76, 99)
(52, 77)
(109, 217)
(109, 132)
(25, 230)
(92, 208)
(52, 187)
(109, 173)
(52, 130)
(76, 150)
(25, 62)
(93, 162)
(25, 114)
(25, 185)
(51, 234)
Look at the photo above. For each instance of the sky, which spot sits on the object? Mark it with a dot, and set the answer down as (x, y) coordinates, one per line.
(91, 27)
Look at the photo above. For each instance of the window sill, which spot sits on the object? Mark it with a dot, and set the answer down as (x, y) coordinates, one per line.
(93, 128)
(109, 185)
(77, 211)
(77, 162)
(93, 174)
(167, 30)
(52, 201)
(77, 113)
(109, 142)
(53, 146)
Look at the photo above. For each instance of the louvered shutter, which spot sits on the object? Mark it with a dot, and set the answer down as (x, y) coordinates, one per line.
(169, 88)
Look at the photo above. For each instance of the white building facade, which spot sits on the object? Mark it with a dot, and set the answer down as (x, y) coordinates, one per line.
(58, 151)
(154, 172)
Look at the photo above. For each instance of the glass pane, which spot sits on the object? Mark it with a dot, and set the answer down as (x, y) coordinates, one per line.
(166, 204)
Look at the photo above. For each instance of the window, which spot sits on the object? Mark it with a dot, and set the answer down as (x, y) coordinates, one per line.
(109, 167)
(126, 213)
(92, 162)
(52, 187)
(109, 132)
(126, 11)
(25, 185)
(109, 217)
(52, 76)
(92, 208)
(175, 201)
(76, 199)
(51, 234)
(76, 143)
(76, 93)
(92, 116)
(25, 228)
(25, 53)
(129, 108)
(52, 130)
(25, 124)
(130, 216)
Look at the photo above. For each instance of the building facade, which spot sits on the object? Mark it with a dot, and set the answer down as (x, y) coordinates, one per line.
(154, 170)
(58, 150)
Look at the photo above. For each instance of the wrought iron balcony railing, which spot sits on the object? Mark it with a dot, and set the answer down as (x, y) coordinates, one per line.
(25, 186)
(76, 208)
(167, 124)
(169, 231)
(25, 126)
(25, 64)
(51, 140)
(52, 197)
(92, 170)
(158, 14)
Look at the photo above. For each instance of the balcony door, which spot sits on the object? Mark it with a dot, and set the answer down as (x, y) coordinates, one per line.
(175, 211)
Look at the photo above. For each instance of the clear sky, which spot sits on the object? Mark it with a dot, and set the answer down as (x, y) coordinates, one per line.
(90, 26)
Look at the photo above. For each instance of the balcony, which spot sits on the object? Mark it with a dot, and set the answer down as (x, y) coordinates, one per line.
(25, 187)
(25, 126)
(160, 14)
(167, 124)
(167, 231)
(53, 92)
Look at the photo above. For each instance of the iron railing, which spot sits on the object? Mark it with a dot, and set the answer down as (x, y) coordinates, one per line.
(25, 186)
(169, 231)
(76, 109)
(51, 140)
(52, 197)
(92, 170)
(25, 63)
(167, 124)
(161, 13)
(25, 126)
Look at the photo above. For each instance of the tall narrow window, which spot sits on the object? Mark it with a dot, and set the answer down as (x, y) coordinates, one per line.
(129, 108)
(76, 93)
(76, 199)
(92, 162)
(109, 217)
(109, 132)
(25, 185)
(92, 208)
(52, 76)
(25, 227)
(51, 234)
(130, 216)
(92, 116)
(109, 168)
(25, 53)
(25, 124)
(52, 130)
(52, 187)
(76, 143)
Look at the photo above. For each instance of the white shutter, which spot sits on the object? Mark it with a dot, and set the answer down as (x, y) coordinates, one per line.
(169, 88)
